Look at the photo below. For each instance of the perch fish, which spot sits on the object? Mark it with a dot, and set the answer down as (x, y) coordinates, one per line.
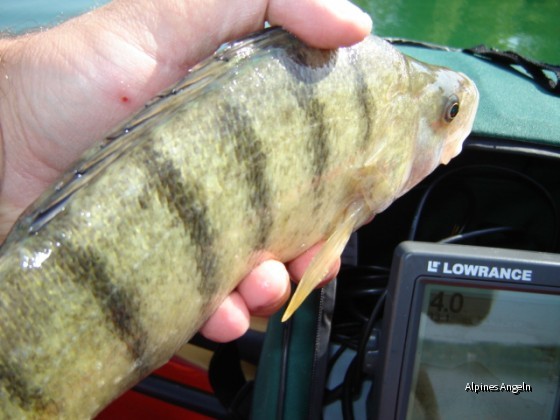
(263, 149)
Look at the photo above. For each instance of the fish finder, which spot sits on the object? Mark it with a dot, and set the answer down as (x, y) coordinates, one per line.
(469, 332)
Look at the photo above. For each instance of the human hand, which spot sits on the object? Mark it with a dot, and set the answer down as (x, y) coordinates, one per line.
(63, 89)
(261, 293)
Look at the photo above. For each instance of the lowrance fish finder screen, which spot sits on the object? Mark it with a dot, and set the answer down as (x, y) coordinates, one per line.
(498, 341)
(471, 333)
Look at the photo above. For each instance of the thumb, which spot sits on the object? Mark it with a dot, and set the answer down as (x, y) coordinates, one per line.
(321, 23)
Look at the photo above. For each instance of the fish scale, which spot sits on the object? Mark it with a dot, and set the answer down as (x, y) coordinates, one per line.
(264, 149)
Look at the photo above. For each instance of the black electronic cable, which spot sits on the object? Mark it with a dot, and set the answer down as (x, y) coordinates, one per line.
(341, 336)
(348, 334)
(354, 373)
(363, 284)
(477, 233)
(360, 355)
(512, 172)
(347, 398)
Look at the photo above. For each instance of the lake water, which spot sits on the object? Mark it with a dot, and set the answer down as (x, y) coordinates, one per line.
(20, 15)
(529, 27)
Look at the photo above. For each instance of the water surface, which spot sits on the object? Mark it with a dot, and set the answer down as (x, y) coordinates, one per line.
(24, 15)
(530, 27)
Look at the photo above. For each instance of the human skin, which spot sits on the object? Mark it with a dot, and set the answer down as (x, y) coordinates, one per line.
(62, 89)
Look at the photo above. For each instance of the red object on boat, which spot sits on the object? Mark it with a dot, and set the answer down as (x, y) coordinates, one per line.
(137, 406)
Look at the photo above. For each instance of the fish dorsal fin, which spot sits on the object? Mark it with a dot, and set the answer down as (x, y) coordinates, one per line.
(204, 74)
(325, 258)
(199, 78)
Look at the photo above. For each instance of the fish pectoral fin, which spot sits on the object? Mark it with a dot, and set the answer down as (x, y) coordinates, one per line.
(325, 258)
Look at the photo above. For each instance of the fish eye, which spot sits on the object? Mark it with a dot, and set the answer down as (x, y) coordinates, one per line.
(451, 109)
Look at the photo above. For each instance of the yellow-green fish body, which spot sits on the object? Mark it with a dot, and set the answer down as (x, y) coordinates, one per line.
(262, 150)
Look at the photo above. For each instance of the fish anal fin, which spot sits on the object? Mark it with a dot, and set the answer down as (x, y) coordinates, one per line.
(325, 258)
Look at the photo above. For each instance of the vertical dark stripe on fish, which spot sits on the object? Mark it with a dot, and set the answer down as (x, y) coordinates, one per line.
(249, 153)
(185, 198)
(22, 393)
(89, 269)
(317, 144)
(307, 67)
(365, 99)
